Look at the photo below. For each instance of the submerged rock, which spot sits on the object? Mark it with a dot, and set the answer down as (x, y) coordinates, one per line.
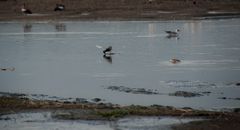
(81, 100)
(96, 99)
(222, 98)
(133, 90)
(185, 94)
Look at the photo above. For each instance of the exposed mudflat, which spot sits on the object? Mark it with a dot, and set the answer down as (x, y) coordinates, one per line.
(20, 112)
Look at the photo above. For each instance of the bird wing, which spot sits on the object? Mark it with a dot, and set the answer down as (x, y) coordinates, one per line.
(168, 32)
(100, 47)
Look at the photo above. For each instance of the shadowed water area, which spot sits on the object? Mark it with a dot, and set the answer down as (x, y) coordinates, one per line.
(65, 59)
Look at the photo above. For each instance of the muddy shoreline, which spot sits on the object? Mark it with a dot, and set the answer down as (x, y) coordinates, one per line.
(96, 110)
(112, 10)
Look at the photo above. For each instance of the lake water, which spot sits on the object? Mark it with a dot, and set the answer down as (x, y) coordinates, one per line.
(65, 59)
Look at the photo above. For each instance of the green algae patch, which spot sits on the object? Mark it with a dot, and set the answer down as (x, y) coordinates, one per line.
(117, 113)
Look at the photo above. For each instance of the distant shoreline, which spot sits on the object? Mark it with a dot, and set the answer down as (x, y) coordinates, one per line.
(65, 17)
(118, 10)
(144, 16)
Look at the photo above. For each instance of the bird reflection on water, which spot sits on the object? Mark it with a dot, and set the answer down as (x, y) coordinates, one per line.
(108, 54)
(108, 58)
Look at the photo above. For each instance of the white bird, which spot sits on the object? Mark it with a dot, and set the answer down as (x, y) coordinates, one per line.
(173, 33)
(59, 7)
(26, 11)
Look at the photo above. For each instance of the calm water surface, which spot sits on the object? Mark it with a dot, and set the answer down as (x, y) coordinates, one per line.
(65, 59)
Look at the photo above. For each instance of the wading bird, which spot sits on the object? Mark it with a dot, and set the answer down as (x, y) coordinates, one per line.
(107, 50)
(25, 10)
(175, 61)
(173, 33)
(59, 7)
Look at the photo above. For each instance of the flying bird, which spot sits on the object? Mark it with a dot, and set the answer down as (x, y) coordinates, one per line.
(107, 50)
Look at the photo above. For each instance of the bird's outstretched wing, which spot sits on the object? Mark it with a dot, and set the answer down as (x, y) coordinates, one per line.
(168, 32)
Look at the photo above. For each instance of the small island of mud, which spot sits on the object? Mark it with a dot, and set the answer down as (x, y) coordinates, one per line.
(81, 109)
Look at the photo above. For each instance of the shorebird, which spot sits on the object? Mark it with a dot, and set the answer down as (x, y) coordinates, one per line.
(59, 7)
(175, 61)
(107, 50)
(26, 11)
(173, 33)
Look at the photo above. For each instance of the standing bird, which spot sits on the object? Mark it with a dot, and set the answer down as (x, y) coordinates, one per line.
(109, 49)
(26, 11)
(173, 33)
(59, 7)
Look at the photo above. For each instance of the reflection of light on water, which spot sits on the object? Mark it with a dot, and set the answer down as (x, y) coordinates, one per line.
(60, 27)
(193, 27)
(151, 32)
(135, 123)
(151, 28)
(54, 33)
(27, 28)
(43, 120)
(149, 36)
(108, 75)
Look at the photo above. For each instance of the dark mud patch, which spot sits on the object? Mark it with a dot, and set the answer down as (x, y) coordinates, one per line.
(155, 92)
(185, 94)
(133, 90)
(41, 97)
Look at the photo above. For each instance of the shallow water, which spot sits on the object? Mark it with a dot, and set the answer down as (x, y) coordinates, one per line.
(65, 59)
(44, 120)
